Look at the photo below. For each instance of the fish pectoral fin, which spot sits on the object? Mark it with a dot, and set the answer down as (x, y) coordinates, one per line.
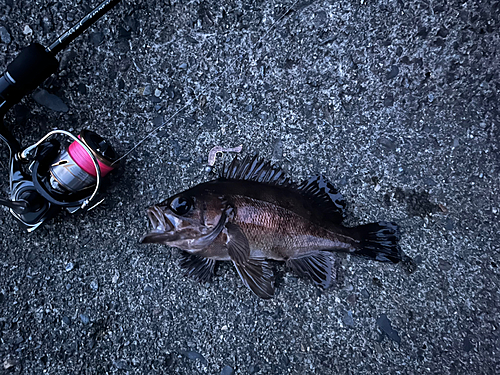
(318, 266)
(199, 268)
(258, 276)
(237, 245)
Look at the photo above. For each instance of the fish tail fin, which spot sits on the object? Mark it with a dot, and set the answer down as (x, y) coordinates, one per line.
(379, 241)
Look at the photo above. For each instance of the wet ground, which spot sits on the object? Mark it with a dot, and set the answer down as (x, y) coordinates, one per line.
(395, 102)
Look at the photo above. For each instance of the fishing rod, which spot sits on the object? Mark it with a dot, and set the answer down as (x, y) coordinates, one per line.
(45, 177)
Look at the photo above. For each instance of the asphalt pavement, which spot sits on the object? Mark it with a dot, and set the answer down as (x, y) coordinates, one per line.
(396, 102)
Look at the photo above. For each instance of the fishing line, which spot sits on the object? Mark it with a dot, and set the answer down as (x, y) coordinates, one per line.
(190, 101)
(155, 130)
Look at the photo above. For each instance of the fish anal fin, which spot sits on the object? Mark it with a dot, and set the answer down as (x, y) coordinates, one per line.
(237, 245)
(324, 196)
(318, 266)
(258, 276)
(199, 268)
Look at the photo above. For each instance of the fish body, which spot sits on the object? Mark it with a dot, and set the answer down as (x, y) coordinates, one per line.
(254, 213)
(272, 230)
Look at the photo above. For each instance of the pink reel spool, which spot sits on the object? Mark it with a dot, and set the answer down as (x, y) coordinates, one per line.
(84, 161)
(74, 169)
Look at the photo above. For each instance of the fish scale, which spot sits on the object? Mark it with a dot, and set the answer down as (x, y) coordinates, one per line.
(276, 233)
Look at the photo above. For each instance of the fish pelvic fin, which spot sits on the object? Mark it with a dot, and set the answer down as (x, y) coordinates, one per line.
(199, 268)
(379, 241)
(317, 266)
(257, 275)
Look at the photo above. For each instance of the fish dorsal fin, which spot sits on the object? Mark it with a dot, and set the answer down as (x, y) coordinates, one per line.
(321, 194)
(253, 168)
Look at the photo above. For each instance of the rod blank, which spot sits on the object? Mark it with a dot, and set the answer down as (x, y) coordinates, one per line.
(82, 25)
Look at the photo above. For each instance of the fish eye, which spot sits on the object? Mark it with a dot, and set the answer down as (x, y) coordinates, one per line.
(181, 205)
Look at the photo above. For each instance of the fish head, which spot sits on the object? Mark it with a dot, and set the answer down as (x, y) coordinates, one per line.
(186, 221)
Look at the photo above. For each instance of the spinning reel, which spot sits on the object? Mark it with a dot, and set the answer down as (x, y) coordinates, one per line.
(46, 177)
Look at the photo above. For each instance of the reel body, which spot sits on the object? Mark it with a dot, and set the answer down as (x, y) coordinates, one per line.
(45, 177)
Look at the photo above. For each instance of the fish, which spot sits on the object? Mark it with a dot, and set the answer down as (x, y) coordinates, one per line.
(254, 214)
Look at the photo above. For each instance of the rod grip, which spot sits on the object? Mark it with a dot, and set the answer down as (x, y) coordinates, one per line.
(31, 67)
(28, 70)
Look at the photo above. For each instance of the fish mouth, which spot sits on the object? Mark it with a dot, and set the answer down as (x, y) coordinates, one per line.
(158, 220)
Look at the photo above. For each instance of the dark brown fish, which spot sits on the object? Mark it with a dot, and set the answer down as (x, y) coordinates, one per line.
(252, 213)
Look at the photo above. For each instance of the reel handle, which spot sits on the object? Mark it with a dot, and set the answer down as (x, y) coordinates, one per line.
(18, 207)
